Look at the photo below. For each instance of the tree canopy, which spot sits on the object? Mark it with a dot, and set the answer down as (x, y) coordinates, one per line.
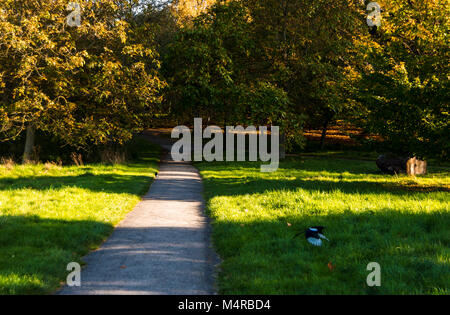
(93, 83)
(291, 63)
(404, 90)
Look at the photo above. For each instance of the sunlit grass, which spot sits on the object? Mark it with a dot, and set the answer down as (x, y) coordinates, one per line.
(398, 221)
(50, 216)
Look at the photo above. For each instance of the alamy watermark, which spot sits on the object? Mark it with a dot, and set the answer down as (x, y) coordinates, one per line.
(74, 277)
(374, 16)
(213, 150)
(74, 18)
(374, 277)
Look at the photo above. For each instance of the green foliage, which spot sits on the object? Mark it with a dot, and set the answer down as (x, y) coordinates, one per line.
(308, 49)
(93, 83)
(404, 91)
(315, 61)
(200, 69)
(322, 56)
(266, 104)
(213, 70)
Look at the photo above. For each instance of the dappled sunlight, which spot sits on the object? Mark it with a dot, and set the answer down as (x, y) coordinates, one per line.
(34, 251)
(368, 217)
(50, 216)
(339, 173)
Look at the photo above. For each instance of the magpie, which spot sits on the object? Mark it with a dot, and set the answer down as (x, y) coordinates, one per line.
(314, 235)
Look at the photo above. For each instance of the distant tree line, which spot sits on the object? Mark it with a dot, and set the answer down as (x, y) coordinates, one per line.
(293, 63)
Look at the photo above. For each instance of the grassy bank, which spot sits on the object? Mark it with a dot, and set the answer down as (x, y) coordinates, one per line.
(400, 222)
(50, 216)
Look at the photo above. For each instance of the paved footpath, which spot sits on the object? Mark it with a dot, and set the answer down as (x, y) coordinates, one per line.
(162, 246)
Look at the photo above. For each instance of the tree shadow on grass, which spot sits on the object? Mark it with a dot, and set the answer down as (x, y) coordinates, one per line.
(99, 183)
(34, 254)
(294, 174)
(262, 257)
(34, 251)
(332, 167)
(242, 186)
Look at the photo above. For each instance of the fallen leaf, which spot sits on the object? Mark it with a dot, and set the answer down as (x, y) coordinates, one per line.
(330, 266)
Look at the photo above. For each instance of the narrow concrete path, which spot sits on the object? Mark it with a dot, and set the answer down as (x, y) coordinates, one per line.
(162, 246)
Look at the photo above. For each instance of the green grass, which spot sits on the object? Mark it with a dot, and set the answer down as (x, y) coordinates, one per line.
(50, 216)
(400, 222)
(343, 154)
(362, 154)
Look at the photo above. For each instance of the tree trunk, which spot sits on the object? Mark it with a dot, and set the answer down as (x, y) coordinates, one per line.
(29, 144)
(324, 134)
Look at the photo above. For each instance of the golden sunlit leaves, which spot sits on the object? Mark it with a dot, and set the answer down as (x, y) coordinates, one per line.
(86, 84)
(186, 10)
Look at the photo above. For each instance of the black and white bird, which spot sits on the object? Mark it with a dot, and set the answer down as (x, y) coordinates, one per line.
(314, 235)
